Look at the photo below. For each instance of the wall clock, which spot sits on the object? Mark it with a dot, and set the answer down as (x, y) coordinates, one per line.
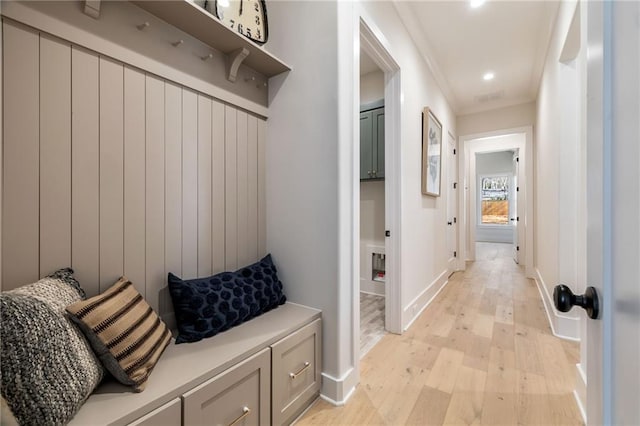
(247, 17)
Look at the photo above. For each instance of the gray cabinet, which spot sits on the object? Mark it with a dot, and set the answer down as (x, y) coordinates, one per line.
(372, 144)
(240, 395)
(295, 373)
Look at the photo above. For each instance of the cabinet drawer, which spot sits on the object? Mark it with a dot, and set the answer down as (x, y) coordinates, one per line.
(239, 396)
(170, 414)
(296, 363)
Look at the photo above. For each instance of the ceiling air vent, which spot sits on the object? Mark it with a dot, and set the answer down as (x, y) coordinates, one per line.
(490, 96)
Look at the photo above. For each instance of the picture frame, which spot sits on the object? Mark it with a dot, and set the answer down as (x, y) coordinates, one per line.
(431, 153)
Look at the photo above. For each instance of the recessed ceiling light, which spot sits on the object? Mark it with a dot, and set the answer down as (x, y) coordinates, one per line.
(476, 3)
(488, 76)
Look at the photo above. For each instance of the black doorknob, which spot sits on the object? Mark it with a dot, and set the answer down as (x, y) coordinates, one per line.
(564, 299)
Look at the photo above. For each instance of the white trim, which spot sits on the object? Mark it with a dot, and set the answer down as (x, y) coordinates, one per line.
(338, 391)
(580, 392)
(424, 299)
(562, 326)
(375, 44)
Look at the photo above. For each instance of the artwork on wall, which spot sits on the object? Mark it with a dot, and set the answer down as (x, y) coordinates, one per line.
(431, 153)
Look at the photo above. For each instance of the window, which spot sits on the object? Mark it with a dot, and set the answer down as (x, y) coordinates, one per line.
(495, 200)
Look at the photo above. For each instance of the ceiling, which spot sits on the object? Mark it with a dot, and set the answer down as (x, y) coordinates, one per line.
(461, 44)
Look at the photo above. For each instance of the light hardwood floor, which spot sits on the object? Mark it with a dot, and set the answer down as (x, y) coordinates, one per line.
(481, 353)
(371, 321)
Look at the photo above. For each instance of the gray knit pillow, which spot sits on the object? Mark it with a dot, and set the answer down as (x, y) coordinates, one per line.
(48, 368)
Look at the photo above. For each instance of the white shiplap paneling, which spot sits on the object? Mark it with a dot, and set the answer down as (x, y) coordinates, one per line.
(111, 172)
(134, 177)
(20, 251)
(55, 155)
(154, 222)
(116, 171)
(189, 184)
(205, 236)
(85, 167)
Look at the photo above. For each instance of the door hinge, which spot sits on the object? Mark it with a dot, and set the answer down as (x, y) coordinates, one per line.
(455, 254)
(387, 233)
(517, 189)
(455, 220)
(518, 219)
(454, 151)
(455, 185)
(517, 159)
(517, 248)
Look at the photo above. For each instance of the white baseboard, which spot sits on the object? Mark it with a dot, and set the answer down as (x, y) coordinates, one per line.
(562, 326)
(338, 391)
(580, 393)
(412, 311)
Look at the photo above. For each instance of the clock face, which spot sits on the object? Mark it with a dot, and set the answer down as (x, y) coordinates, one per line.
(247, 17)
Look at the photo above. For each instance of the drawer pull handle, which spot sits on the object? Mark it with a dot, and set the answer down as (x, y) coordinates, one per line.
(245, 413)
(295, 375)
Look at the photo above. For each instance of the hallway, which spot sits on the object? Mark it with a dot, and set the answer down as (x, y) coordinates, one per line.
(481, 353)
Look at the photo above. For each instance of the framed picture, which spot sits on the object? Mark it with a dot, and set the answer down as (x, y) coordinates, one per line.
(431, 153)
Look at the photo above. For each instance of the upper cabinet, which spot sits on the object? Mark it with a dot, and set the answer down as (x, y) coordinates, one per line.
(197, 22)
(372, 144)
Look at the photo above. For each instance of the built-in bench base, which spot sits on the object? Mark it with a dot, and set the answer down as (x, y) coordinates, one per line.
(267, 370)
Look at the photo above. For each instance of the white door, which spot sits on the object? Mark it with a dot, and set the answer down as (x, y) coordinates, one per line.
(613, 200)
(452, 205)
(513, 206)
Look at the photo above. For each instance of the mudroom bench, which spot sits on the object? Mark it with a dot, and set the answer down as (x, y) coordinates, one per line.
(265, 371)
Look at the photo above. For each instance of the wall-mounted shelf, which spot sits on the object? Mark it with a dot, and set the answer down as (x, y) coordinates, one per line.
(202, 25)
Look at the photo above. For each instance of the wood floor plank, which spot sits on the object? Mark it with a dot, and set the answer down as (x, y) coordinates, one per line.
(483, 325)
(465, 408)
(499, 409)
(477, 353)
(430, 408)
(527, 357)
(444, 373)
(504, 313)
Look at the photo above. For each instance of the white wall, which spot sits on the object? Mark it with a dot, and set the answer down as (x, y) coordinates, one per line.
(371, 87)
(558, 209)
(372, 211)
(497, 119)
(302, 164)
(312, 175)
(488, 164)
(372, 227)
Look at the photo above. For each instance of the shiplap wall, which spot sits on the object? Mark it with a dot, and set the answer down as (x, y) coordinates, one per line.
(114, 172)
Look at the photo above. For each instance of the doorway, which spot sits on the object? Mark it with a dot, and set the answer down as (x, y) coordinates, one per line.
(370, 44)
(372, 204)
(515, 146)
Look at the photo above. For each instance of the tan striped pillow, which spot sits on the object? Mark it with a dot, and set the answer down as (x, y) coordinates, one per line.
(125, 333)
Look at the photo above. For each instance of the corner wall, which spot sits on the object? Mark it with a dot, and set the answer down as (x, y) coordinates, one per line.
(302, 165)
(558, 214)
(311, 170)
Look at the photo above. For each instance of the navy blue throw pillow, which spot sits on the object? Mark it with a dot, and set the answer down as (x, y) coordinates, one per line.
(205, 307)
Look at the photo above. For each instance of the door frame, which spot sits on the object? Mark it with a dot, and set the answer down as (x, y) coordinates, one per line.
(454, 265)
(478, 143)
(371, 41)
